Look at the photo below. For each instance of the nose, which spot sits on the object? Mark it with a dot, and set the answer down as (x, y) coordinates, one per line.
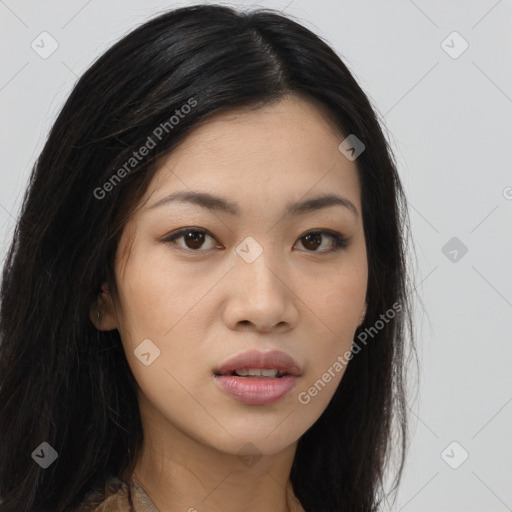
(260, 297)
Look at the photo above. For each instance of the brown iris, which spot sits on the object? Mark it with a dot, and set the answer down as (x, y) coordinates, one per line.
(194, 237)
(312, 236)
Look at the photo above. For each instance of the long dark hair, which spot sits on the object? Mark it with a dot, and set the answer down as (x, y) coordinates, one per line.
(66, 383)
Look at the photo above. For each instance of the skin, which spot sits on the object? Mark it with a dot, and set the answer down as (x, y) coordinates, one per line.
(200, 308)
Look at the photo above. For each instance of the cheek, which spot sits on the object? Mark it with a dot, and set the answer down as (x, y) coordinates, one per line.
(155, 296)
(335, 310)
(161, 304)
(167, 306)
(329, 354)
(335, 299)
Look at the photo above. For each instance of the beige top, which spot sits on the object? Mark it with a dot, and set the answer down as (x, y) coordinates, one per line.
(118, 496)
(121, 496)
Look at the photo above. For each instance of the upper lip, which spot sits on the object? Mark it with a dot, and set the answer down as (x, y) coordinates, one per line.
(261, 360)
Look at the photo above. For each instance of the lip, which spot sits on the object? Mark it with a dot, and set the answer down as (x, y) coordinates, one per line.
(258, 391)
(254, 391)
(261, 360)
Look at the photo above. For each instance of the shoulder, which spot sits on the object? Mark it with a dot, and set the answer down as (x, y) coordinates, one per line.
(117, 496)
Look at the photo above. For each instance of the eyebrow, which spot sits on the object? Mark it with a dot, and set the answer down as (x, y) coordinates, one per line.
(212, 202)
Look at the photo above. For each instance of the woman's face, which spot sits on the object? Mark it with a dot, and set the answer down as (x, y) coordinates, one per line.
(242, 275)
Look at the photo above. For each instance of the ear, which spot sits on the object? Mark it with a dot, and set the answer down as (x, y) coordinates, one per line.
(363, 314)
(106, 320)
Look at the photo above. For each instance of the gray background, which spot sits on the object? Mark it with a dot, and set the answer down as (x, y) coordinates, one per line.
(448, 120)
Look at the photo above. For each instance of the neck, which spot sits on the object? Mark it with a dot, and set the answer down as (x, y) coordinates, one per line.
(185, 475)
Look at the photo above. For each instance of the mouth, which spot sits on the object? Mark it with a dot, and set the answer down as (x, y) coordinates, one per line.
(256, 373)
(258, 378)
(260, 365)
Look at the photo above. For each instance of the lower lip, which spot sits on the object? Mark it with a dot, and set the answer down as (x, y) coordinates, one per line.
(252, 391)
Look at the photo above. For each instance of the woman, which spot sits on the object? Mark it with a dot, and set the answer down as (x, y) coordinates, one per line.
(205, 302)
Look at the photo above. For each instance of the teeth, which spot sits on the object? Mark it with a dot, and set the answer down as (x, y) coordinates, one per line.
(256, 372)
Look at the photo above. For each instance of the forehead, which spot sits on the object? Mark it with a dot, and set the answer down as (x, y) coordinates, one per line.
(288, 148)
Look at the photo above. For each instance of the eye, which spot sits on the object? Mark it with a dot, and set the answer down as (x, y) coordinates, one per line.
(314, 239)
(194, 239)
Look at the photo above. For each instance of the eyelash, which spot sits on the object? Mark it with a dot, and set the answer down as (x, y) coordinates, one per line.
(339, 242)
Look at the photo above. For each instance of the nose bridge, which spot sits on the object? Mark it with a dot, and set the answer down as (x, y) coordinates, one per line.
(260, 273)
(261, 294)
